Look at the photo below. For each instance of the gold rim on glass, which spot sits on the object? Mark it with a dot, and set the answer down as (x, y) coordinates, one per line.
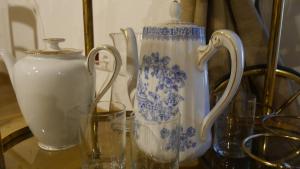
(282, 165)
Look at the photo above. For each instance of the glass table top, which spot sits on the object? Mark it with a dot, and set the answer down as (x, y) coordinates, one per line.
(28, 155)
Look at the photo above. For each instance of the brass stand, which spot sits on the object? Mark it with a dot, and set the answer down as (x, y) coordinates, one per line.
(16, 137)
(261, 70)
(280, 164)
(273, 53)
(87, 6)
(2, 162)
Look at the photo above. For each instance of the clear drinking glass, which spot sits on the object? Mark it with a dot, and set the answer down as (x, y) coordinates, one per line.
(155, 145)
(125, 84)
(233, 125)
(103, 136)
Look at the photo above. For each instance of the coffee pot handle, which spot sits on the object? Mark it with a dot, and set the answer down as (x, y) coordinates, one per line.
(231, 41)
(91, 64)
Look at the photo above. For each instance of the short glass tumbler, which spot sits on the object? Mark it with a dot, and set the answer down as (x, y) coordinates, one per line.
(155, 145)
(103, 137)
(233, 126)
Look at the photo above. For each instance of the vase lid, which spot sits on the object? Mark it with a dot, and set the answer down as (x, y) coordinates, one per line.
(175, 15)
(175, 29)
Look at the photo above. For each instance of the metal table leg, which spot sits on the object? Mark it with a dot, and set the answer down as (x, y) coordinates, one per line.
(273, 53)
(2, 162)
(87, 7)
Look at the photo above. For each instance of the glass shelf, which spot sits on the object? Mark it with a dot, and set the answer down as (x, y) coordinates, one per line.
(27, 155)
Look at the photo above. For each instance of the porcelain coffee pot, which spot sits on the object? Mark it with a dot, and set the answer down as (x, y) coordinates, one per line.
(173, 79)
(53, 86)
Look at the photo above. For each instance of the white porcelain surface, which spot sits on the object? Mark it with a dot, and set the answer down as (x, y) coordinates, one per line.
(173, 79)
(50, 90)
(53, 86)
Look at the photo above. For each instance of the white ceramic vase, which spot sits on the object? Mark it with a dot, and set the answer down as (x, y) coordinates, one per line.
(53, 86)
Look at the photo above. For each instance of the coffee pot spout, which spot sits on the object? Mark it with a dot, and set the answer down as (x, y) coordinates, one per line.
(9, 62)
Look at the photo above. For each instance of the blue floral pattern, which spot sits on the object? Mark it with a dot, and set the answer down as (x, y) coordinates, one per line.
(185, 138)
(158, 98)
(174, 33)
(186, 141)
(158, 88)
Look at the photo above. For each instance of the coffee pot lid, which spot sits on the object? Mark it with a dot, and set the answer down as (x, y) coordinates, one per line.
(52, 48)
(175, 14)
(174, 29)
(175, 11)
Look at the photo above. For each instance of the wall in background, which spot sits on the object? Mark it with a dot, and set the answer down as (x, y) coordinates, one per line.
(24, 23)
(63, 18)
(290, 39)
(290, 42)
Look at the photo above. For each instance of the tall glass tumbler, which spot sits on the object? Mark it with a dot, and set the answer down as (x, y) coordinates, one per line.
(233, 126)
(103, 136)
(155, 145)
(123, 89)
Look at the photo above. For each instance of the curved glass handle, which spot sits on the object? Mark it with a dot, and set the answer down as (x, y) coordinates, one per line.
(91, 62)
(232, 42)
(133, 62)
